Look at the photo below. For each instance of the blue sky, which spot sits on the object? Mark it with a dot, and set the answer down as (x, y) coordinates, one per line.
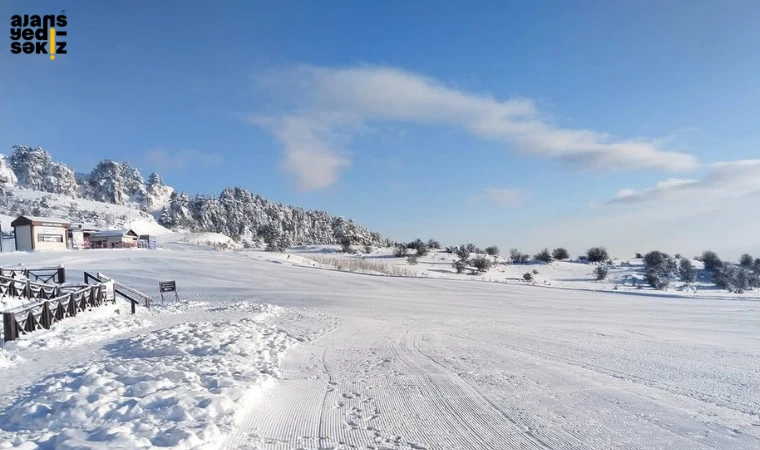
(526, 125)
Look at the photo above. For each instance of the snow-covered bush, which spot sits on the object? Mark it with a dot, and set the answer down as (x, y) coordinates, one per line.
(400, 251)
(422, 249)
(517, 257)
(601, 272)
(560, 253)
(463, 252)
(597, 254)
(345, 244)
(734, 278)
(481, 263)
(527, 276)
(411, 259)
(686, 271)
(659, 267)
(492, 251)
(711, 260)
(544, 256)
(433, 244)
(459, 265)
(746, 261)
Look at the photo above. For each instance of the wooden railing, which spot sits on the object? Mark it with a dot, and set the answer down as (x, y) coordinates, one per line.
(44, 275)
(44, 313)
(121, 290)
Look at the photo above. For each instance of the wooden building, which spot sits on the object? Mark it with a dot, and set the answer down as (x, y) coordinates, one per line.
(114, 239)
(40, 233)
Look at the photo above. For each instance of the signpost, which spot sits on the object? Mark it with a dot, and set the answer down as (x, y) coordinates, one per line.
(168, 286)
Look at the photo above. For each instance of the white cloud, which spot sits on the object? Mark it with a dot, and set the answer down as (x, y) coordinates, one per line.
(163, 159)
(717, 211)
(328, 105)
(504, 197)
(724, 180)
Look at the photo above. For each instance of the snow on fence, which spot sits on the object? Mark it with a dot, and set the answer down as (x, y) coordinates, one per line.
(44, 313)
(45, 275)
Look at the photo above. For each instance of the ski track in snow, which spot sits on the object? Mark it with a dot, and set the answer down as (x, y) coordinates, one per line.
(390, 363)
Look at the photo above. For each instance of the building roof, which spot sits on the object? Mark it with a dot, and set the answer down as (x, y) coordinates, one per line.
(35, 220)
(112, 233)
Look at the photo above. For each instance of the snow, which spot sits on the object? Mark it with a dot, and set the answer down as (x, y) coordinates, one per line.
(346, 360)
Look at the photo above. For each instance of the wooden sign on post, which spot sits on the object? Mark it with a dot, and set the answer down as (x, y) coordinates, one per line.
(168, 286)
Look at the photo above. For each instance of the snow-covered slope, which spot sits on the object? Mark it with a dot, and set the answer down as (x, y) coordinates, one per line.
(352, 361)
(15, 201)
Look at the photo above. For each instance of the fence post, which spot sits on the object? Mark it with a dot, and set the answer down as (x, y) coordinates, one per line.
(28, 289)
(61, 274)
(45, 318)
(9, 327)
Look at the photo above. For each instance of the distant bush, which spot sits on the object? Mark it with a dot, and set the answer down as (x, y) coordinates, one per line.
(400, 251)
(583, 258)
(601, 272)
(527, 276)
(659, 267)
(481, 263)
(597, 254)
(492, 250)
(517, 257)
(734, 278)
(686, 271)
(560, 253)
(274, 246)
(433, 244)
(368, 249)
(472, 248)
(422, 249)
(544, 256)
(460, 265)
(535, 272)
(416, 244)
(639, 256)
(345, 244)
(463, 252)
(711, 260)
(746, 261)
(411, 259)
(756, 266)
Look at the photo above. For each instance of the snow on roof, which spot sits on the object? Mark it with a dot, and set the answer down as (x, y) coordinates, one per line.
(44, 219)
(105, 233)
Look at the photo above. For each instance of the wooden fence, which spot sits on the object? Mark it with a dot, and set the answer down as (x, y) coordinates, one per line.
(44, 275)
(42, 314)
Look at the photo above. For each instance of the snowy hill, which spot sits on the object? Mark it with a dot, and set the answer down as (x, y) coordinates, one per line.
(115, 193)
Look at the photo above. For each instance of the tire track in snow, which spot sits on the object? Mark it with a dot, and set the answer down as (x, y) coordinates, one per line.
(719, 441)
(473, 421)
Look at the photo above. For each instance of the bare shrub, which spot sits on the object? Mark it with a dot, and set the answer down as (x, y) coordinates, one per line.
(362, 265)
(481, 263)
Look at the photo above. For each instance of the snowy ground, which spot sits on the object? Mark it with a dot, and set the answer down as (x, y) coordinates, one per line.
(356, 361)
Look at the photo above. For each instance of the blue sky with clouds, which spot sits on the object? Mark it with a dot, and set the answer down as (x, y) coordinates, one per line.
(528, 124)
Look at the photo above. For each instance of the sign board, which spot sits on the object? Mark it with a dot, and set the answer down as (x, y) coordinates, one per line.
(168, 286)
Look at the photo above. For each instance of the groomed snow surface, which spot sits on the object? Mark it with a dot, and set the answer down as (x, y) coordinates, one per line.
(281, 352)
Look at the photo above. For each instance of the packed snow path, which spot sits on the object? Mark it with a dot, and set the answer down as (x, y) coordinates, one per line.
(436, 364)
